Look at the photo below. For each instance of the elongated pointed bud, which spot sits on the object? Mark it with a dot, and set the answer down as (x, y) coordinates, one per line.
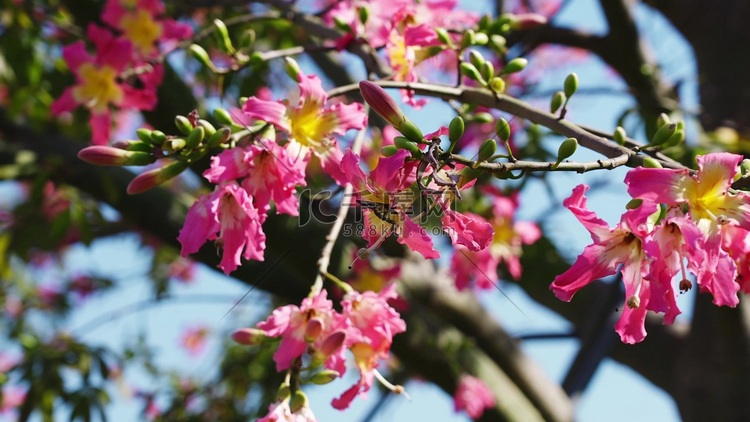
(745, 166)
(207, 126)
(471, 72)
(222, 37)
(677, 137)
(173, 145)
(403, 143)
(480, 38)
(468, 38)
(183, 124)
(502, 129)
(292, 68)
(201, 55)
(324, 377)
(248, 336)
(382, 103)
(221, 136)
(456, 129)
(558, 98)
(364, 14)
(329, 346)
(487, 70)
(620, 136)
(571, 85)
(663, 119)
(486, 150)
(158, 137)
(389, 150)
(134, 145)
(299, 401)
(411, 131)
(476, 58)
(195, 138)
(144, 134)
(651, 163)
(223, 117)
(283, 393)
(516, 65)
(444, 36)
(103, 155)
(153, 178)
(498, 43)
(567, 148)
(663, 134)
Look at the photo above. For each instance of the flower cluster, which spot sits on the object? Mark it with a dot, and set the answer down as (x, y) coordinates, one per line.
(317, 336)
(679, 222)
(123, 72)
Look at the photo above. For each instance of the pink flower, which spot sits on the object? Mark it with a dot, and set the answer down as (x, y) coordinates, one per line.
(384, 196)
(141, 25)
(230, 212)
(373, 324)
(268, 172)
(472, 396)
(311, 322)
(282, 412)
(310, 125)
(710, 207)
(612, 247)
(97, 85)
(193, 339)
(736, 242)
(407, 49)
(12, 399)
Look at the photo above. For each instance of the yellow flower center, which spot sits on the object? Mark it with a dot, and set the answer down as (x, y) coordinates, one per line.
(98, 88)
(141, 29)
(707, 200)
(310, 127)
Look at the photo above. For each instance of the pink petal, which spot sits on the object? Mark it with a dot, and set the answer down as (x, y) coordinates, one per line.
(591, 265)
(417, 239)
(200, 223)
(347, 116)
(174, 30)
(272, 112)
(140, 99)
(66, 102)
(657, 185)
(101, 125)
(354, 174)
(576, 203)
(75, 55)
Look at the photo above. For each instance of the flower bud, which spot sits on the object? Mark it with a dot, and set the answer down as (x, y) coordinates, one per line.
(103, 155)
(476, 58)
(482, 117)
(516, 65)
(502, 129)
(487, 70)
(471, 72)
(677, 137)
(207, 126)
(223, 117)
(663, 134)
(324, 377)
(283, 393)
(144, 134)
(456, 129)
(498, 43)
(195, 138)
(299, 401)
(467, 175)
(152, 178)
(468, 38)
(486, 150)
(528, 21)
(567, 148)
(663, 119)
(403, 143)
(313, 329)
(443, 36)
(173, 145)
(558, 98)
(620, 136)
(220, 137)
(745, 166)
(389, 150)
(201, 55)
(134, 145)
(382, 103)
(222, 37)
(292, 68)
(158, 137)
(571, 85)
(248, 336)
(497, 84)
(480, 38)
(411, 131)
(330, 345)
(183, 124)
(651, 163)
(364, 14)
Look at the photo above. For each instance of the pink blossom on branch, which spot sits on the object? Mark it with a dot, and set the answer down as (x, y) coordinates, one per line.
(311, 124)
(472, 396)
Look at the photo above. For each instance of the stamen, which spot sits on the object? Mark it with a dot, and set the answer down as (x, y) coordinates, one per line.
(396, 389)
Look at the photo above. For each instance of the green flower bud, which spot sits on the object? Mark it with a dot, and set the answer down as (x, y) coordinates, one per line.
(498, 43)
(651, 163)
(256, 59)
(411, 131)
(567, 148)
(324, 377)
(201, 55)
(364, 14)
(134, 145)
(444, 36)
(247, 39)
(292, 68)
(468, 38)
(745, 166)
(482, 117)
(103, 155)
(516, 65)
(223, 117)
(663, 119)
(558, 98)
(389, 150)
(484, 22)
(502, 129)
(497, 84)
(173, 145)
(466, 175)
(195, 138)
(284, 392)
(183, 124)
(487, 70)
(620, 136)
(571, 85)
(298, 402)
(663, 134)
(382, 103)
(677, 138)
(403, 143)
(486, 150)
(207, 126)
(158, 137)
(220, 137)
(476, 58)
(634, 204)
(144, 134)
(222, 37)
(480, 38)
(248, 336)
(456, 129)
(471, 72)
